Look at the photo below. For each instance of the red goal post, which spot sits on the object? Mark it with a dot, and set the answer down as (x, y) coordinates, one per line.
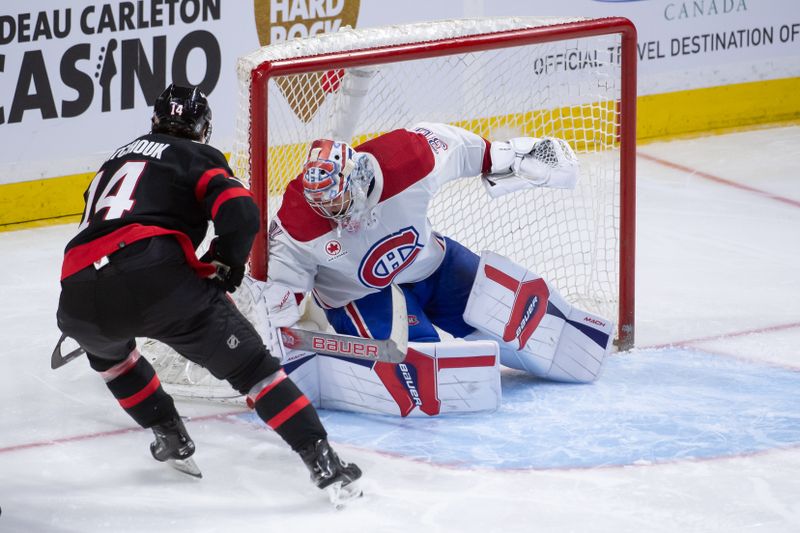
(501, 78)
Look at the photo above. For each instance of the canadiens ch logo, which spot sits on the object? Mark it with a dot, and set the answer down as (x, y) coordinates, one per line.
(388, 257)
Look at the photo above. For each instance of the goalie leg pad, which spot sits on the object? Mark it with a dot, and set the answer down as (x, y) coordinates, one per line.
(584, 343)
(436, 378)
(302, 367)
(539, 331)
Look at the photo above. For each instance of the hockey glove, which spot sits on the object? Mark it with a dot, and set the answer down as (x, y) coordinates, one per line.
(228, 276)
(528, 162)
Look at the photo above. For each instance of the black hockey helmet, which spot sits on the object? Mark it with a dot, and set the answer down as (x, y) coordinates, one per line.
(183, 112)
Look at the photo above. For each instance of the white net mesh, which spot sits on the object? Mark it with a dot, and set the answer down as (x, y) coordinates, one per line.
(184, 379)
(567, 88)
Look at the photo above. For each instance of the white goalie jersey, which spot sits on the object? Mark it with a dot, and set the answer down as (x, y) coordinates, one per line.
(308, 252)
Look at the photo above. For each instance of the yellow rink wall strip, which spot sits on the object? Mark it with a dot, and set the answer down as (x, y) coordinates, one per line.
(706, 110)
(38, 200)
(47, 201)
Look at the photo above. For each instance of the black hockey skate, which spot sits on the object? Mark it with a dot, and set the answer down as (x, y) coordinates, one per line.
(331, 473)
(174, 445)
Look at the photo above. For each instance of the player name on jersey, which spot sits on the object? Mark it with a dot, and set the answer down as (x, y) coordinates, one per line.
(146, 148)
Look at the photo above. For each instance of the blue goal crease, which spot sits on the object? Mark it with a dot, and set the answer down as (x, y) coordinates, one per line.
(648, 407)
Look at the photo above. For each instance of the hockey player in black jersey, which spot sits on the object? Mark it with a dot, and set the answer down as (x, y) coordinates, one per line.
(131, 271)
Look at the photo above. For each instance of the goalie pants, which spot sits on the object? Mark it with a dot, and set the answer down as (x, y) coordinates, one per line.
(148, 290)
(439, 300)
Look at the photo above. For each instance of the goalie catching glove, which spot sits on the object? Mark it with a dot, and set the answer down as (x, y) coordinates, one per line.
(528, 162)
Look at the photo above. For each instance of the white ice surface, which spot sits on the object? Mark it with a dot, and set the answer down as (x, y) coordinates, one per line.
(717, 280)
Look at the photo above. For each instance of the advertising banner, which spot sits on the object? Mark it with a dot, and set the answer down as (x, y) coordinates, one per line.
(78, 77)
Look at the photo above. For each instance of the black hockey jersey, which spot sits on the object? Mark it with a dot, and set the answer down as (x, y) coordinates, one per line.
(164, 185)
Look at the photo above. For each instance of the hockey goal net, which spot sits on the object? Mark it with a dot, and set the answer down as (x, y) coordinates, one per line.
(500, 78)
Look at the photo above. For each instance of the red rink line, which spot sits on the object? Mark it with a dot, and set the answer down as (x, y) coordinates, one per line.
(224, 416)
(717, 179)
(768, 329)
(91, 436)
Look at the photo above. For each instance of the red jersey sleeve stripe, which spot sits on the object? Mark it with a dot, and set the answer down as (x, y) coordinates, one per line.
(202, 184)
(486, 167)
(288, 412)
(139, 397)
(227, 195)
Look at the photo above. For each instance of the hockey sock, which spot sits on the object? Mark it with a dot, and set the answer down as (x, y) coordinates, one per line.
(284, 408)
(135, 385)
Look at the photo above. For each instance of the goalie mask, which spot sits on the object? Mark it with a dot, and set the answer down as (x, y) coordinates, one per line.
(183, 112)
(335, 180)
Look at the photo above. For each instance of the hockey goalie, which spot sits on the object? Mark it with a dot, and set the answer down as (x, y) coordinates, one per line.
(354, 223)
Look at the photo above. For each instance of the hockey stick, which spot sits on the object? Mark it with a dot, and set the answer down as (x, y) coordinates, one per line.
(386, 351)
(391, 350)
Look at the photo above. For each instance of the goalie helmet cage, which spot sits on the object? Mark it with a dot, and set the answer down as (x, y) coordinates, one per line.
(500, 78)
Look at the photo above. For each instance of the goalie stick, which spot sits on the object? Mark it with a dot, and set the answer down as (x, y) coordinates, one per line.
(391, 350)
(384, 351)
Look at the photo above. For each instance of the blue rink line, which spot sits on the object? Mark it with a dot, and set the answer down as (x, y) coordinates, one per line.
(648, 407)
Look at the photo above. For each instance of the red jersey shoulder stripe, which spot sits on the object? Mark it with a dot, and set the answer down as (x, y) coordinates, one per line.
(405, 158)
(228, 194)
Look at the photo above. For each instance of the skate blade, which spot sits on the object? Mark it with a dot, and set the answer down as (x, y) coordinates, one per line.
(340, 495)
(187, 466)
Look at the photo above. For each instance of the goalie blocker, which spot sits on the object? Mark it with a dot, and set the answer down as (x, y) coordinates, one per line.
(539, 332)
